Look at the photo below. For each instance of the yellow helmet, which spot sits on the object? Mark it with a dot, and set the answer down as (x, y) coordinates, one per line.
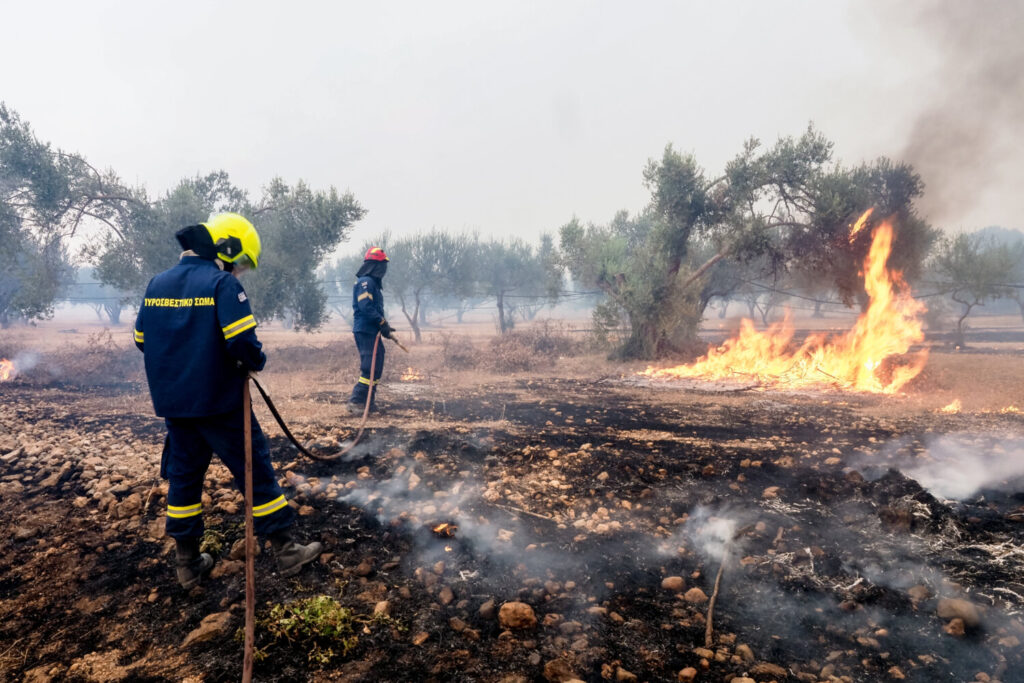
(236, 239)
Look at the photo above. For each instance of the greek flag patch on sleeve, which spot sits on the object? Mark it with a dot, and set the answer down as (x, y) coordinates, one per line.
(242, 297)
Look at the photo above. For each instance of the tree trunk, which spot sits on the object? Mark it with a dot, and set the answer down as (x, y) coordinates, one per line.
(501, 312)
(818, 313)
(414, 318)
(113, 311)
(722, 311)
(960, 335)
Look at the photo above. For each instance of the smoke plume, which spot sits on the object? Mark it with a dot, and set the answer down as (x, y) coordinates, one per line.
(958, 468)
(967, 132)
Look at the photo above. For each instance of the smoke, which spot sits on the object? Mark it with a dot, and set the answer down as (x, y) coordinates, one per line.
(25, 361)
(408, 497)
(967, 129)
(707, 531)
(957, 468)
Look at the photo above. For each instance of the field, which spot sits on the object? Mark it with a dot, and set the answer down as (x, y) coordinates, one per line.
(592, 516)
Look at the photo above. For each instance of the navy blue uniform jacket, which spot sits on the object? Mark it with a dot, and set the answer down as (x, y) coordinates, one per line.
(367, 306)
(197, 334)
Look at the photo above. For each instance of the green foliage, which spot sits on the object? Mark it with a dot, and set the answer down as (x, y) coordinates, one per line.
(977, 268)
(213, 541)
(319, 625)
(39, 205)
(298, 228)
(512, 272)
(45, 194)
(773, 211)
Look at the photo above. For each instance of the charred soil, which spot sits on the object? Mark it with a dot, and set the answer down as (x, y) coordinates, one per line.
(590, 522)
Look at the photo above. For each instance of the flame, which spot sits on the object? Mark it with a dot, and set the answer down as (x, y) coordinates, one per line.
(410, 375)
(7, 370)
(952, 408)
(1009, 409)
(859, 225)
(445, 529)
(853, 361)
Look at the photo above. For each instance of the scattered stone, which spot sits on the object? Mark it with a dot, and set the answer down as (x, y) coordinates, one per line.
(919, 593)
(212, 626)
(768, 670)
(487, 610)
(23, 533)
(382, 607)
(227, 568)
(673, 583)
(446, 596)
(420, 638)
(559, 671)
(952, 608)
(238, 549)
(770, 492)
(96, 666)
(896, 674)
(695, 596)
(365, 567)
(955, 627)
(745, 653)
(517, 615)
(624, 676)
(687, 675)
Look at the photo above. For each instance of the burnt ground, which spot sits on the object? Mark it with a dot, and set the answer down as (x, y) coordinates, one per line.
(601, 505)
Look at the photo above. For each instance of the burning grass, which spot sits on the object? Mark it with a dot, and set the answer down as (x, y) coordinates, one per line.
(859, 360)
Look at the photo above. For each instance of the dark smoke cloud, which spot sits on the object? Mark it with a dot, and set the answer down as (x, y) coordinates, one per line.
(971, 116)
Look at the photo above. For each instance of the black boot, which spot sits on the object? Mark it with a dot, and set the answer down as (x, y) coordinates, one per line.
(291, 556)
(191, 564)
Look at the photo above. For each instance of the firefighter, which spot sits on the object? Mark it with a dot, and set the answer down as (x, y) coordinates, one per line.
(367, 320)
(198, 337)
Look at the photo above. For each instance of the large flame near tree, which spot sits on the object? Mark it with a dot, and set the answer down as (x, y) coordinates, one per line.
(853, 361)
(7, 370)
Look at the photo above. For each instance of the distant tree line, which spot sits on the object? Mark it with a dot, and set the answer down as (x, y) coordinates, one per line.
(440, 270)
(47, 195)
(775, 221)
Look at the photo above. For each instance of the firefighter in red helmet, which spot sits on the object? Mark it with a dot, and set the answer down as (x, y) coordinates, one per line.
(367, 321)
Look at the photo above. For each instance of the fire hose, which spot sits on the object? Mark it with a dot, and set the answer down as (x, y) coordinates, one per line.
(250, 538)
(362, 425)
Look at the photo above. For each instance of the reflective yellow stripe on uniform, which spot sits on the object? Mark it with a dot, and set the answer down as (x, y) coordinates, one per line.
(239, 326)
(364, 295)
(366, 381)
(180, 512)
(138, 336)
(269, 508)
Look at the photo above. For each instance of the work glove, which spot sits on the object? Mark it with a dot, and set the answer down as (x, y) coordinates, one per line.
(386, 330)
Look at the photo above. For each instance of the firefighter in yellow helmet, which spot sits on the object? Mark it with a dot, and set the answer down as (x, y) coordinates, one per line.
(198, 335)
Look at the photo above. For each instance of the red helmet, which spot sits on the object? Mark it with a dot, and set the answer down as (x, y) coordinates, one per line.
(375, 254)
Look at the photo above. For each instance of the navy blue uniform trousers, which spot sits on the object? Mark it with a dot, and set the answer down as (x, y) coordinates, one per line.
(190, 444)
(364, 342)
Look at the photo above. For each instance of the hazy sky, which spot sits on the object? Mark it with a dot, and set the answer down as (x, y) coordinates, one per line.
(508, 117)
